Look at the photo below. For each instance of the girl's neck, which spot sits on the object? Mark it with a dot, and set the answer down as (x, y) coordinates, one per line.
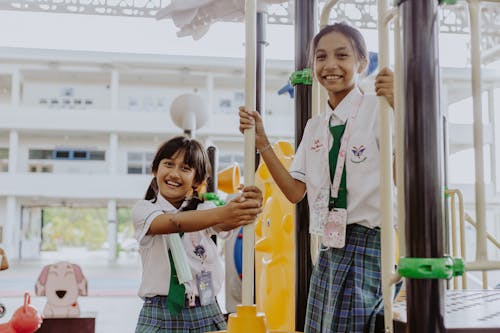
(335, 98)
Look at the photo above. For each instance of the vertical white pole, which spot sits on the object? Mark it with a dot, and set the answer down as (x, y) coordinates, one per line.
(399, 128)
(249, 152)
(113, 153)
(475, 20)
(13, 151)
(112, 230)
(114, 89)
(386, 179)
(12, 224)
(15, 90)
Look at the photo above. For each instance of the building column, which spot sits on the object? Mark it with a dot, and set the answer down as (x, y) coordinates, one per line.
(13, 151)
(113, 153)
(11, 229)
(112, 230)
(210, 93)
(15, 95)
(114, 89)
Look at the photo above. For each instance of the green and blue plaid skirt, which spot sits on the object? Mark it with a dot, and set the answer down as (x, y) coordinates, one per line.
(155, 317)
(346, 290)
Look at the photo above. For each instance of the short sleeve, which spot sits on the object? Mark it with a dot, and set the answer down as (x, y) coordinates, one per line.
(298, 167)
(143, 214)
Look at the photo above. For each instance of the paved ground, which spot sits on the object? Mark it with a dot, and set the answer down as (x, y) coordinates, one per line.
(112, 287)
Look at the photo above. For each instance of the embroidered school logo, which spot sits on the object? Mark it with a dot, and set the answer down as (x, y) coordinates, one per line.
(316, 145)
(358, 154)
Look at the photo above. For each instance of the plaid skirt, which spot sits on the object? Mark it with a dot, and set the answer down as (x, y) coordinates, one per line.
(155, 318)
(345, 290)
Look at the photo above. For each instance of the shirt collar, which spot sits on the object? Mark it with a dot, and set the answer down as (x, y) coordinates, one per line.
(344, 108)
(166, 206)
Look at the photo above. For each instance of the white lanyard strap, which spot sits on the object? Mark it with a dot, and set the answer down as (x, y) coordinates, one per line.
(339, 168)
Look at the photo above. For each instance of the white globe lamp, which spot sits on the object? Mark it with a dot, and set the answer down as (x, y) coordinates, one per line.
(188, 112)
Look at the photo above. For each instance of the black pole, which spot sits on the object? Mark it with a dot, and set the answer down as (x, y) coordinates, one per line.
(423, 181)
(214, 161)
(304, 31)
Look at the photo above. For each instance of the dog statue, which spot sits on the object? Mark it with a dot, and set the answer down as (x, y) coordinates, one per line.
(62, 283)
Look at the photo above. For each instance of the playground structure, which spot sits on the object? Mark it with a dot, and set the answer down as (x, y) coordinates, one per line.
(426, 264)
(399, 155)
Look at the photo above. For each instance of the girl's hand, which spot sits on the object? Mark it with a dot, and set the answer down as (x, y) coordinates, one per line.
(249, 119)
(252, 192)
(384, 85)
(242, 210)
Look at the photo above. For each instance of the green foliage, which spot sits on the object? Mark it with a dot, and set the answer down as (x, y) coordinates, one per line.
(82, 227)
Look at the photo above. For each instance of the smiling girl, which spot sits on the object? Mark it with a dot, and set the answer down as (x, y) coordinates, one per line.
(171, 206)
(338, 164)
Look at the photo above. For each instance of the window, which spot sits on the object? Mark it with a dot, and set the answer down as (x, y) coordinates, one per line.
(41, 168)
(61, 154)
(4, 159)
(66, 154)
(139, 163)
(40, 154)
(80, 155)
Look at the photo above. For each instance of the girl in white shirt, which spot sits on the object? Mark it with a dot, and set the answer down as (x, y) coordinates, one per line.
(343, 197)
(171, 207)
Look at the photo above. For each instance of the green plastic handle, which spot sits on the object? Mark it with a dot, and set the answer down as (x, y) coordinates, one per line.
(431, 268)
(303, 77)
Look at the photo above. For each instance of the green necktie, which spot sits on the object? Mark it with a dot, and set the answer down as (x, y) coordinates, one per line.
(176, 294)
(341, 201)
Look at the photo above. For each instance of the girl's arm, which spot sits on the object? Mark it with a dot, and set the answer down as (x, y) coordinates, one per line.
(292, 188)
(236, 213)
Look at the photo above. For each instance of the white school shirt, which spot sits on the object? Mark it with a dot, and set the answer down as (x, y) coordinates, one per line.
(362, 162)
(154, 250)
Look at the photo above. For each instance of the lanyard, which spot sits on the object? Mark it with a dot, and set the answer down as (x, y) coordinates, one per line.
(342, 151)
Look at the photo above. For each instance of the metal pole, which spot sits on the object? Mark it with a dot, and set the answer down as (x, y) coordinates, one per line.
(305, 14)
(386, 175)
(423, 174)
(214, 162)
(249, 140)
(260, 77)
(475, 33)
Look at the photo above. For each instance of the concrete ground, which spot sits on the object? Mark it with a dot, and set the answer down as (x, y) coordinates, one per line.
(112, 287)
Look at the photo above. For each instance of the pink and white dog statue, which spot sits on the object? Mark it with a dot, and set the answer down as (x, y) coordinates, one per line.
(62, 283)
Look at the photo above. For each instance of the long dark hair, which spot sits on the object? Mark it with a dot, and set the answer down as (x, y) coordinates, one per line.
(195, 157)
(350, 32)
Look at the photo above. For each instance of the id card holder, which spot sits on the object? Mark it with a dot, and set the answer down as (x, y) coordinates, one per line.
(335, 228)
(205, 288)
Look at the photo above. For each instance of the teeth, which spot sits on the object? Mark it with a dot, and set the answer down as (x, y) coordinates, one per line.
(172, 183)
(332, 77)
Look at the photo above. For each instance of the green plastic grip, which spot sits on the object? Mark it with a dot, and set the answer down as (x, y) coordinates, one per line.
(431, 268)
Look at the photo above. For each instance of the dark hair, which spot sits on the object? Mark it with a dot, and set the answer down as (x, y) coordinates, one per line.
(195, 157)
(350, 32)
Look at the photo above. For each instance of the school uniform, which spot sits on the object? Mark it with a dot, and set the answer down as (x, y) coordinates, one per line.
(156, 273)
(345, 287)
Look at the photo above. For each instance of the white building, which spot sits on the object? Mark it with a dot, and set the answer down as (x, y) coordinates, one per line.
(79, 128)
